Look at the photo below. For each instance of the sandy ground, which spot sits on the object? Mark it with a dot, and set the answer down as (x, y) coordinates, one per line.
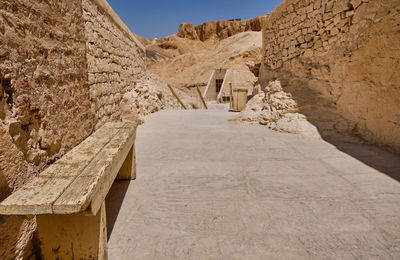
(208, 188)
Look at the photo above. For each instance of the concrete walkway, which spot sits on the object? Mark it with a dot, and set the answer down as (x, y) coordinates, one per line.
(208, 188)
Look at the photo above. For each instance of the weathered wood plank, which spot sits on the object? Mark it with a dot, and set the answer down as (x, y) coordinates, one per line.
(89, 189)
(38, 196)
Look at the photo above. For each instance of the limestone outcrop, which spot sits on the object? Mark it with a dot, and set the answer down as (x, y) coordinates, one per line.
(278, 111)
(339, 59)
(149, 96)
(218, 29)
(186, 30)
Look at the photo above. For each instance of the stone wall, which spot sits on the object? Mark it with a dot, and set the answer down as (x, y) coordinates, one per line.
(116, 61)
(64, 67)
(44, 98)
(339, 59)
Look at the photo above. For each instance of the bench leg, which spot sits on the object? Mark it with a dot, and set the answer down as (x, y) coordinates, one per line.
(128, 169)
(76, 236)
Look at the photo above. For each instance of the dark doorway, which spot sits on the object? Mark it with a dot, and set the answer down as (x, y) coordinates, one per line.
(218, 85)
(226, 99)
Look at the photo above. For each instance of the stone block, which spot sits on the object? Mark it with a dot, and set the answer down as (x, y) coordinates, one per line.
(301, 39)
(349, 13)
(308, 53)
(309, 37)
(340, 6)
(324, 36)
(355, 3)
(317, 4)
(327, 16)
(329, 6)
(334, 31)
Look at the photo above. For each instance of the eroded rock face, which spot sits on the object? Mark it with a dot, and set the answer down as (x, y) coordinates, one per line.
(278, 111)
(218, 29)
(186, 30)
(340, 62)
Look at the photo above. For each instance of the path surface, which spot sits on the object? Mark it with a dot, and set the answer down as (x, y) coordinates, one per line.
(207, 188)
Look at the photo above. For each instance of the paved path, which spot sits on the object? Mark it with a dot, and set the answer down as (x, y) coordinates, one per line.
(212, 189)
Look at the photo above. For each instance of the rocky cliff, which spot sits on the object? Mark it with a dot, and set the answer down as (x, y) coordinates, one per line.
(218, 29)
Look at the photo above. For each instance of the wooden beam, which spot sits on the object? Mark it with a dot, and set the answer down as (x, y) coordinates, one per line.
(176, 96)
(231, 95)
(201, 97)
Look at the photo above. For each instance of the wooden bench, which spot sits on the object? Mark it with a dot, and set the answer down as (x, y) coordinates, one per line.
(68, 198)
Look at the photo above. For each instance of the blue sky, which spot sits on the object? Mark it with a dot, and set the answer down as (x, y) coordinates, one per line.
(160, 18)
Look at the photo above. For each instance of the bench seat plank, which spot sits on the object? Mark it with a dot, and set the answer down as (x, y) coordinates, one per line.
(90, 188)
(38, 196)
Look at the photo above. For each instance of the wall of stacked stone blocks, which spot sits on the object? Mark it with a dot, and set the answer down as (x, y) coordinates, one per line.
(115, 63)
(64, 68)
(339, 59)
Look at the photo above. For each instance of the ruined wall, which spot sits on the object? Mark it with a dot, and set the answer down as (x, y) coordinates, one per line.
(64, 66)
(116, 60)
(340, 60)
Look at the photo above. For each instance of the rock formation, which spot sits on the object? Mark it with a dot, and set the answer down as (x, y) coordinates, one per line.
(186, 30)
(278, 111)
(218, 29)
(149, 96)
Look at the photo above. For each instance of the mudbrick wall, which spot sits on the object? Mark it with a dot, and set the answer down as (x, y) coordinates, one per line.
(65, 66)
(339, 59)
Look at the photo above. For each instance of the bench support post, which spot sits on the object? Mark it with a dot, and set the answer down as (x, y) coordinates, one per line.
(128, 169)
(76, 236)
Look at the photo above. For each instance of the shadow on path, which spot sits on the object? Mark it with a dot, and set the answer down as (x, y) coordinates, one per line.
(114, 201)
(323, 114)
(381, 160)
